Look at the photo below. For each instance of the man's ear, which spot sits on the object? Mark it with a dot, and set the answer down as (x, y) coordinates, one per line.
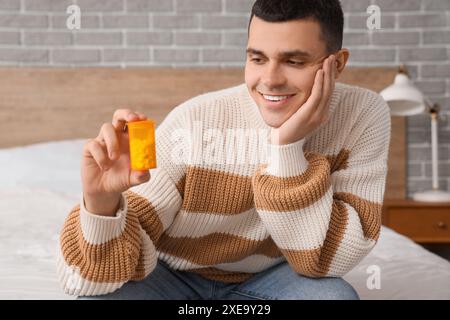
(341, 60)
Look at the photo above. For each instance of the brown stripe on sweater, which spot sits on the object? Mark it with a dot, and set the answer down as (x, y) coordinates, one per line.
(221, 275)
(180, 185)
(139, 273)
(146, 212)
(217, 192)
(369, 213)
(293, 193)
(316, 262)
(216, 248)
(110, 262)
(339, 161)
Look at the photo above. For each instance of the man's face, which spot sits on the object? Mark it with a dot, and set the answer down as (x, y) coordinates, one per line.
(282, 61)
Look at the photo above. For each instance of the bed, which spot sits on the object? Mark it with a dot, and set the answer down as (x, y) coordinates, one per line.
(57, 109)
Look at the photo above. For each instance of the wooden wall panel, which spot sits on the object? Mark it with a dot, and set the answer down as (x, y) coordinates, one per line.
(48, 104)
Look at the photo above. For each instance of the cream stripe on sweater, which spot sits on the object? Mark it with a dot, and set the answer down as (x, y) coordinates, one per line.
(225, 204)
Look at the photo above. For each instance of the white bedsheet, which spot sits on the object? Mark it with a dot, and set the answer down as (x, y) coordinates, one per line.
(40, 184)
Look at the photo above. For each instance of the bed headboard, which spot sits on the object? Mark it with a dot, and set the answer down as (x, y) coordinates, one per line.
(47, 104)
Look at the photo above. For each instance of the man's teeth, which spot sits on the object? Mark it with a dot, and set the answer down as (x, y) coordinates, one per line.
(275, 98)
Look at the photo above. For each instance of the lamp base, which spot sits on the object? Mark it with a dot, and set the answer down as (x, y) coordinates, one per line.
(432, 196)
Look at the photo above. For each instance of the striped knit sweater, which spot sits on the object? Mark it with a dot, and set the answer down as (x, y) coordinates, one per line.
(232, 210)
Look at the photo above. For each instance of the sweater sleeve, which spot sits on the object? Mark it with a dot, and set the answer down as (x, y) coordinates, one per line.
(98, 254)
(324, 211)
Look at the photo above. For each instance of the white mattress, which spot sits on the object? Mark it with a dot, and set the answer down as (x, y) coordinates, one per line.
(40, 184)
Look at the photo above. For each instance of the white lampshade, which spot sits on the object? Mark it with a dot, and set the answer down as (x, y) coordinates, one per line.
(403, 98)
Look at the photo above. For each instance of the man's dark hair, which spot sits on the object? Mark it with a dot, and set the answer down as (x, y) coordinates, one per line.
(328, 13)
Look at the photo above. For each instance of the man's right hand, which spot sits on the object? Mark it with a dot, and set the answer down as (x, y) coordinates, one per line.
(105, 165)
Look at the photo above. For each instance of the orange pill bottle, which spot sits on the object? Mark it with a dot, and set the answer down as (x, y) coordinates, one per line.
(142, 144)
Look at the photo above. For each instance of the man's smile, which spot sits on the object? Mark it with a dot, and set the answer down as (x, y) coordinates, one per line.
(276, 100)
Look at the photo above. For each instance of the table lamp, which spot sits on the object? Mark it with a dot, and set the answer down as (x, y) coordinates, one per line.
(404, 99)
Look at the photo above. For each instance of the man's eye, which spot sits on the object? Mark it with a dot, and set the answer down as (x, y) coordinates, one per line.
(295, 63)
(256, 60)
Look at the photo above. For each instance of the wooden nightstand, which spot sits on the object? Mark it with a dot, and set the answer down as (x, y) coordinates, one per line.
(423, 222)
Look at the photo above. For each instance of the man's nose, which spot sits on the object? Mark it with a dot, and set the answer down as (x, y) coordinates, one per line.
(273, 77)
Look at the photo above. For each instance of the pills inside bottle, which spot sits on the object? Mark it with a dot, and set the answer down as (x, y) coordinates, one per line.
(142, 144)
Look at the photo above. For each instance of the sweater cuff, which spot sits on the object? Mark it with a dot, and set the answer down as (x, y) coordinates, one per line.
(286, 160)
(99, 229)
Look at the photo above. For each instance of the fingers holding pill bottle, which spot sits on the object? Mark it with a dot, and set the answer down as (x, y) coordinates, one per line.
(119, 158)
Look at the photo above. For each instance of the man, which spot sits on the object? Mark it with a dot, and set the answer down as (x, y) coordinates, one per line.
(286, 226)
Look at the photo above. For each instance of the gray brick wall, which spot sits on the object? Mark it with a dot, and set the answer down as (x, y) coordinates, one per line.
(177, 33)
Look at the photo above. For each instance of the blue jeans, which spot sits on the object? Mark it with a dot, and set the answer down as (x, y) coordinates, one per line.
(279, 282)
